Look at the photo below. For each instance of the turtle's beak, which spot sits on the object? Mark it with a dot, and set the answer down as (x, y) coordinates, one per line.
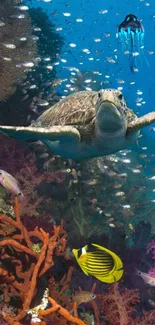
(109, 116)
(109, 108)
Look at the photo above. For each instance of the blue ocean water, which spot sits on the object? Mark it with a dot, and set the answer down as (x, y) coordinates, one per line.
(96, 24)
(109, 200)
(100, 21)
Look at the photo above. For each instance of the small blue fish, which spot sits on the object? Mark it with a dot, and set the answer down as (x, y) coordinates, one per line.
(10, 184)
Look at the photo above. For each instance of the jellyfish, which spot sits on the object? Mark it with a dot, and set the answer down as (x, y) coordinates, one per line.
(131, 35)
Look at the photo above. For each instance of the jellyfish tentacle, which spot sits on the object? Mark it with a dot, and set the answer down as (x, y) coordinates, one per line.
(130, 34)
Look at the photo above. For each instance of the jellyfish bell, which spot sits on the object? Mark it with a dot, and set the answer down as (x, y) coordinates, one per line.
(130, 34)
(131, 31)
(131, 23)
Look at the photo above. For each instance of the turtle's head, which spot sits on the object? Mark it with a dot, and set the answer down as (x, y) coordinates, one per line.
(111, 113)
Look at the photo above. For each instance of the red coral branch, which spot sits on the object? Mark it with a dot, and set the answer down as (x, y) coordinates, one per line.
(62, 311)
(21, 283)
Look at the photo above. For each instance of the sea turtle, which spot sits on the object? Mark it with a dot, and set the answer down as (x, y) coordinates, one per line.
(85, 124)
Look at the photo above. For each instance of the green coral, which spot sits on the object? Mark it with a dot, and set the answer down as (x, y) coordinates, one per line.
(37, 247)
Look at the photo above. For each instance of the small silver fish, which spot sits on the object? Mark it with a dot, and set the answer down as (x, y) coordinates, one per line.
(23, 8)
(28, 64)
(44, 155)
(43, 103)
(151, 302)
(10, 184)
(10, 46)
(147, 278)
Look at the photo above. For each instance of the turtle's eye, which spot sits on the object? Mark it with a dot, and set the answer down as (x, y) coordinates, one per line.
(120, 96)
(99, 95)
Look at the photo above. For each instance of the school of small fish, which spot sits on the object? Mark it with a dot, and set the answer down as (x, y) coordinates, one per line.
(127, 181)
(77, 58)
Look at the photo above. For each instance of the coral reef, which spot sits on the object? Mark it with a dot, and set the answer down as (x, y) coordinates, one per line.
(30, 178)
(119, 307)
(150, 250)
(20, 162)
(16, 46)
(30, 255)
(12, 154)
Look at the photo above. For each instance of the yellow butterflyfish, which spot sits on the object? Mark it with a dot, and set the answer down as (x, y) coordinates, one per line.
(99, 262)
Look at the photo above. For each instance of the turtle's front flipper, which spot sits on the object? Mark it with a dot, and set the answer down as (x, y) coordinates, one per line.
(53, 133)
(141, 122)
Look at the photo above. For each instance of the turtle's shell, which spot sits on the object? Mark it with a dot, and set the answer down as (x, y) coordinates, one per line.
(77, 109)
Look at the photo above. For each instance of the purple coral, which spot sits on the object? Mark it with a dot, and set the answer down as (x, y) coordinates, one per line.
(119, 307)
(150, 249)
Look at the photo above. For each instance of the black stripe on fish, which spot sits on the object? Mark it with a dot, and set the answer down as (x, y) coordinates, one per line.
(99, 253)
(94, 258)
(90, 247)
(99, 260)
(100, 270)
(93, 249)
(101, 273)
(79, 252)
(107, 271)
(107, 267)
(100, 267)
(101, 256)
(104, 268)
